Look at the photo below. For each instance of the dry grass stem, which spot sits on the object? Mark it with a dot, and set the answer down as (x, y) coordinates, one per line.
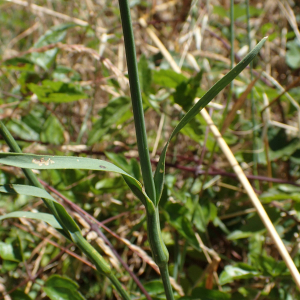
(253, 197)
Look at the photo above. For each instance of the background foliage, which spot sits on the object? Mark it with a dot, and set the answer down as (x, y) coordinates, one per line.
(64, 91)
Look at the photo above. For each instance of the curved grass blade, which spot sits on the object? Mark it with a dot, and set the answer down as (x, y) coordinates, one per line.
(43, 162)
(48, 218)
(212, 92)
(28, 190)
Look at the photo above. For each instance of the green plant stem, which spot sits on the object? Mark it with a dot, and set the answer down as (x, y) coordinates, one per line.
(70, 228)
(136, 99)
(177, 256)
(159, 250)
(118, 286)
(164, 272)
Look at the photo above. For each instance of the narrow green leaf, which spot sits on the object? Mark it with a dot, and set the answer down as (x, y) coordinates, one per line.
(26, 190)
(40, 162)
(36, 216)
(46, 162)
(213, 92)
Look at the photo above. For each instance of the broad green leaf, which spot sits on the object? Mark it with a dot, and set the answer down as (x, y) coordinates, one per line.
(12, 250)
(293, 54)
(34, 119)
(194, 273)
(253, 222)
(186, 91)
(214, 91)
(136, 169)
(132, 167)
(19, 63)
(59, 281)
(116, 112)
(268, 265)
(54, 35)
(286, 151)
(206, 294)
(154, 287)
(52, 131)
(286, 188)
(239, 11)
(62, 288)
(145, 75)
(295, 158)
(238, 271)
(256, 243)
(194, 130)
(221, 11)
(44, 162)
(176, 216)
(110, 183)
(168, 78)
(19, 295)
(36, 216)
(57, 91)
(22, 130)
(119, 160)
(275, 194)
(8, 265)
(280, 144)
(247, 293)
(238, 234)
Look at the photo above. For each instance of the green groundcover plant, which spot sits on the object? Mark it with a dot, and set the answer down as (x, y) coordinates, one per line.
(149, 192)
